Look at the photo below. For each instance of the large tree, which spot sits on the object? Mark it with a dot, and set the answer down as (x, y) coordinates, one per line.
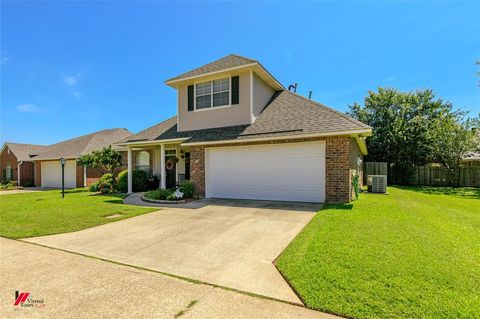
(106, 160)
(413, 128)
(401, 123)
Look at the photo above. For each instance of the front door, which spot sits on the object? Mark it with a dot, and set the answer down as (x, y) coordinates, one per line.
(170, 168)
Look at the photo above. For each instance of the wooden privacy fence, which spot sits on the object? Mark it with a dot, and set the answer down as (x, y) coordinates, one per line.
(426, 175)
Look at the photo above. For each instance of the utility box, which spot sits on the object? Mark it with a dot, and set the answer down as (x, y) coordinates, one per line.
(377, 184)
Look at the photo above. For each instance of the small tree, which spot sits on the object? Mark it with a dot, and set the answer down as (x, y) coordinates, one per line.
(455, 137)
(106, 160)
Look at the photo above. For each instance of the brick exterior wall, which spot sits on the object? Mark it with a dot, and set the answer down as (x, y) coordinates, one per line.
(197, 169)
(337, 164)
(7, 157)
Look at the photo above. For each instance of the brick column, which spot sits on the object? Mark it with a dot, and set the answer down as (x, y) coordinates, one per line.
(197, 169)
(338, 169)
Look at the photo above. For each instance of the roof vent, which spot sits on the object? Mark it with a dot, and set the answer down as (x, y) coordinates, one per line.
(293, 87)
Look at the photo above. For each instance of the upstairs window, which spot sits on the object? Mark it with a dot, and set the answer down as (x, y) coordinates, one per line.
(212, 94)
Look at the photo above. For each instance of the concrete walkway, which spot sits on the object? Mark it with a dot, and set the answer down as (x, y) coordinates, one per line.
(73, 286)
(231, 243)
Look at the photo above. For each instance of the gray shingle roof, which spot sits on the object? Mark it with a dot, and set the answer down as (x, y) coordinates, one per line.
(84, 144)
(224, 63)
(23, 151)
(285, 114)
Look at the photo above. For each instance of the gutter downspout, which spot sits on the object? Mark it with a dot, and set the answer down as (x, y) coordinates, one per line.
(18, 173)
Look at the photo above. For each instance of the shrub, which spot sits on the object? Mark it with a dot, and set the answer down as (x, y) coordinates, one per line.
(94, 187)
(106, 181)
(158, 194)
(7, 185)
(122, 181)
(140, 181)
(187, 188)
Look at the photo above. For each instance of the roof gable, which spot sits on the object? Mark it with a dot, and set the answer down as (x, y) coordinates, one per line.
(24, 152)
(224, 65)
(230, 61)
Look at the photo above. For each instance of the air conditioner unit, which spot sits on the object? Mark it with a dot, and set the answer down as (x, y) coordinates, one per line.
(377, 183)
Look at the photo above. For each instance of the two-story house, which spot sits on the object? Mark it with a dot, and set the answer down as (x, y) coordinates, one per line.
(240, 134)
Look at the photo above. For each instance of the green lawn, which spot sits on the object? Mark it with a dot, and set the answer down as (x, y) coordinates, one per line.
(412, 254)
(45, 213)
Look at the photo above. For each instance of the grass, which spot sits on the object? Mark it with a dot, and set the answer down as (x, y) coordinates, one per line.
(45, 213)
(412, 254)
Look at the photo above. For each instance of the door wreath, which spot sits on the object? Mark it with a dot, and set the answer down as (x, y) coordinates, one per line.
(170, 163)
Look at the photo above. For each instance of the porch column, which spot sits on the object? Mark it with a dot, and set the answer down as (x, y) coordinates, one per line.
(84, 176)
(129, 167)
(162, 166)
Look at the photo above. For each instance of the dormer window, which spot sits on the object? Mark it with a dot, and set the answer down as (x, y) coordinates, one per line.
(218, 93)
(212, 94)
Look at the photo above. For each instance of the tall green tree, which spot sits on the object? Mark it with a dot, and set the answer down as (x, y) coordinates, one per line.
(413, 128)
(107, 160)
(401, 124)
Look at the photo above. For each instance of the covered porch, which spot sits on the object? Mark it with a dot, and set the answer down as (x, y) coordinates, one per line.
(166, 162)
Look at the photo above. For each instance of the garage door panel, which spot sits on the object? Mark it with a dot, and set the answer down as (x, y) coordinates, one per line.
(51, 174)
(293, 172)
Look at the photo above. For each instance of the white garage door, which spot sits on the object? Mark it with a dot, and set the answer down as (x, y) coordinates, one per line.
(52, 174)
(288, 172)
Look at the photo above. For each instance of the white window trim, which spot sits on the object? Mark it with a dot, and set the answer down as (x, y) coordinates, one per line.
(211, 93)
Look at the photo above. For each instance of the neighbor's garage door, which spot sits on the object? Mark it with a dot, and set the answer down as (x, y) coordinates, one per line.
(289, 172)
(52, 174)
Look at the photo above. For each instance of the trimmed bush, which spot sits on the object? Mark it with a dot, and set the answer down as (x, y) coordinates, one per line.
(122, 181)
(106, 181)
(187, 188)
(140, 181)
(94, 187)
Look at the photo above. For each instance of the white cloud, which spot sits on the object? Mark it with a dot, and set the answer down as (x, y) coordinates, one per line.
(27, 108)
(72, 80)
(72, 83)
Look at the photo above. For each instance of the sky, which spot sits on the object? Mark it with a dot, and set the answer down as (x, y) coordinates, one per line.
(71, 68)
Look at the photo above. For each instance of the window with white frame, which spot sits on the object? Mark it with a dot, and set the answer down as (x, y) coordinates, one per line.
(212, 94)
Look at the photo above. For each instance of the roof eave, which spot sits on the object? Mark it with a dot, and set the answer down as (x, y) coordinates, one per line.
(256, 66)
(153, 142)
(360, 132)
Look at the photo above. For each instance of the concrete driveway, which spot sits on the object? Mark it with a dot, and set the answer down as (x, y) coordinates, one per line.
(230, 243)
(73, 286)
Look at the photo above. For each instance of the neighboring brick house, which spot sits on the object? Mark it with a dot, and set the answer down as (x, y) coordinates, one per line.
(240, 134)
(16, 162)
(47, 164)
